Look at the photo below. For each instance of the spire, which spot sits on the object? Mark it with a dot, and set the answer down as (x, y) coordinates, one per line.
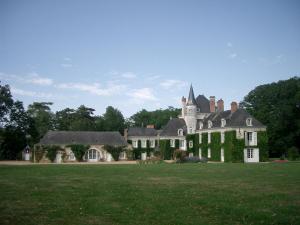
(191, 99)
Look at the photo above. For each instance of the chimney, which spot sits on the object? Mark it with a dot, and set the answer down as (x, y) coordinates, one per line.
(220, 105)
(150, 126)
(234, 107)
(212, 104)
(125, 134)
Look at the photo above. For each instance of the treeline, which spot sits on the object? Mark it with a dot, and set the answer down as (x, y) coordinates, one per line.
(20, 127)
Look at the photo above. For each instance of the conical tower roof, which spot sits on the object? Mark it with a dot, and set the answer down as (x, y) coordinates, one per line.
(191, 99)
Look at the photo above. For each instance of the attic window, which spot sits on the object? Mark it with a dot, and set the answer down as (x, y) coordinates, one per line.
(180, 132)
(198, 109)
(209, 124)
(249, 122)
(223, 122)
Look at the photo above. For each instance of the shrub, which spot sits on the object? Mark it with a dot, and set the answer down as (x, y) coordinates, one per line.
(51, 152)
(194, 159)
(293, 153)
(114, 151)
(179, 154)
(79, 150)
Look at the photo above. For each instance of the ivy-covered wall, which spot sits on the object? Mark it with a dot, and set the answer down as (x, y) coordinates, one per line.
(204, 145)
(262, 142)
(139, 150)
(215, 146)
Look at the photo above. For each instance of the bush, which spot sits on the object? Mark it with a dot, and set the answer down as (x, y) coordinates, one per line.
(179, 154)
(114, 151)
(79, 150)
(293, 153)
(194, 159)
(51, 152)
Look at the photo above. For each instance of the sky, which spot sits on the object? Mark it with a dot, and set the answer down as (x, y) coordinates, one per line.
(136, 55)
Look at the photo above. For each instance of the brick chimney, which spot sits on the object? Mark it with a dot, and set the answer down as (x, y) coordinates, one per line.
(234, 107)
(212, 103)
(220, 105)
(125, 134)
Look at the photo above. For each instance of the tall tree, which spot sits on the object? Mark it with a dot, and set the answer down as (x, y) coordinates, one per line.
(42, 118)
(113, 120)
(83, 119)
(277, 105)
(6, 102)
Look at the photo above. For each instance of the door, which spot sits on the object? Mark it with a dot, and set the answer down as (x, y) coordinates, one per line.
(27, 156)
(58, 157)
(251, 155)
(92, 155)
(144, 156)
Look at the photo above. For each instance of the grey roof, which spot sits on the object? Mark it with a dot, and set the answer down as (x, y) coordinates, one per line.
(141, 131)
(83, 137)
(203, 104)
(236, 119)
(171, 129)
(191, 99)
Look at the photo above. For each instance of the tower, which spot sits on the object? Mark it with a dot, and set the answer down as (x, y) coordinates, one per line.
(191, 112)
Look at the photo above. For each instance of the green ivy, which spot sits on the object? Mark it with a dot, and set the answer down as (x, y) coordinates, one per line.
(79, 150)
(204, 144)
(114, 151)
(233, 147)
(262, 142)
(215, 146)
(51, 151)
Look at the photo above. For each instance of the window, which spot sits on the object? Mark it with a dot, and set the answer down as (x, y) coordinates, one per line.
(122, 155)
(222, 137)
(208, 153)
(92, 154)
(251, 138)
(135, 144)
(249, 122)
(190, 144)
(208, 138)
(209, 123)
(200, 138)
(200, 125)
(190, 130)
(152, 143)
(249, 153)
(172, 143)
(144, 143)
(181, 143)
(180, 132)
(223, 122)
(71, 156)
(198, 109)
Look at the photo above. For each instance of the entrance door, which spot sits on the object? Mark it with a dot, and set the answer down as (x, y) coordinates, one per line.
(27, 156)
(251, 155)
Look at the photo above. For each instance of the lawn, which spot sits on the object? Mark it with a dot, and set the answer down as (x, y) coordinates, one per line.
(151, 194)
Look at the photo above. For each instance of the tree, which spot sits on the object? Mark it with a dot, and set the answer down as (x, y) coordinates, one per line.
(277, 105)
(113, 120)
(158, 118)
(6, 102)
(42, 118)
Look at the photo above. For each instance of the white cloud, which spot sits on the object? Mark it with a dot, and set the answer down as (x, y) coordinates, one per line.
(128, 75)
(95, 88)
(173, 84)
(31, 78)
(232, 55)
(21, 92)
(229, 44)
(142, 94)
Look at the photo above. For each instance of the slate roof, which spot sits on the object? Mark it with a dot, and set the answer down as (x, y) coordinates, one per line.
(236, 119)
(83, 137)
(141, 131)
(203, 103)
(191, 99)
(171, 129)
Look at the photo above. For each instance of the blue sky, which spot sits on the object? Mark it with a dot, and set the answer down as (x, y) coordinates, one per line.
(144, 54)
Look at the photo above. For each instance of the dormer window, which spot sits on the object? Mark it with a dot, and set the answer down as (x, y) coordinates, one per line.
(223, 122)
(249, 122)
(180, 132)
(209, 123)
(198, 109)
(200, 125)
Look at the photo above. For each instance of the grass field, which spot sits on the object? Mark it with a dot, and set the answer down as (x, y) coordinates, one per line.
(150, 194)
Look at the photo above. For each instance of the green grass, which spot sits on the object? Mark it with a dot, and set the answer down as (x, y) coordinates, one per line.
(150, 194)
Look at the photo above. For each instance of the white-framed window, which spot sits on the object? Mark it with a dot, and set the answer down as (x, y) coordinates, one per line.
(251, 138)
(71, 156)
(190, 130)
(223, 122)
(200, 125)
(135, 144)
(190, 144)
(249, 122)
(172, 143)
(249, 153)
(180, 132)
(208, 153)
(181, 143)
(152, 143)
(222, 137)
(144, 144)
(92, 154)
(209, 123)
(200, 138)
(208, 138)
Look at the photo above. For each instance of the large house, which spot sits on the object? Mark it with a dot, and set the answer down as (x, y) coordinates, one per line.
(205, 129)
